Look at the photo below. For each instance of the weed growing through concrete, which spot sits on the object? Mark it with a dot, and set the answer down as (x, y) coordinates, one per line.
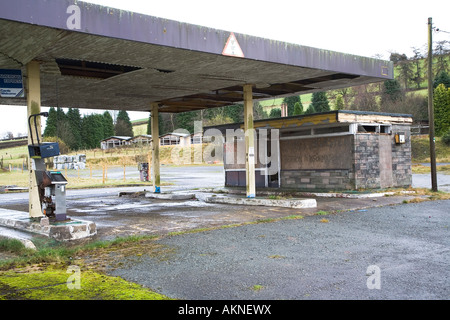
(276, 256)
(257, 287)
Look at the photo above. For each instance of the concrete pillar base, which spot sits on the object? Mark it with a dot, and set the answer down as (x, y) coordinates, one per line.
(61, 231)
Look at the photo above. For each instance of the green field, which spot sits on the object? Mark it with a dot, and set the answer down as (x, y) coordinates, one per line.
(14, 156)
(277, 102)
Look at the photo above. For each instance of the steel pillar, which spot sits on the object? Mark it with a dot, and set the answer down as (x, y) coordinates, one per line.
(33, 91)
(249, 141)
(155, 148)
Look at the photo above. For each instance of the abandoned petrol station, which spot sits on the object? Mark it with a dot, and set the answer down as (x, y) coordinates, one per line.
(331, 151)
(75, 54)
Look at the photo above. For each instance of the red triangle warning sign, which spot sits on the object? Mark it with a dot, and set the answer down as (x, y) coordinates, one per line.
(232, 47)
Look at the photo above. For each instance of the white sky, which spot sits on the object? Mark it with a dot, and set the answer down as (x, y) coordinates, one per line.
(366, 28)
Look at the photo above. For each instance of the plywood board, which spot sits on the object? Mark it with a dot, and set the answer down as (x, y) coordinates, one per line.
(317, 153)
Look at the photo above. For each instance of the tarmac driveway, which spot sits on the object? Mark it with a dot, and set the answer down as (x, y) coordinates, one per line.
(406, 244)
(392, 252)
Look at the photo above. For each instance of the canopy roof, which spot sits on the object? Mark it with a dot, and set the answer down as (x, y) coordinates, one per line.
(97, 57)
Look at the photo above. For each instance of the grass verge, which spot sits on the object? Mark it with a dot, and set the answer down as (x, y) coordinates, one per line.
(46, 274)
(421, 169)
(420, 150)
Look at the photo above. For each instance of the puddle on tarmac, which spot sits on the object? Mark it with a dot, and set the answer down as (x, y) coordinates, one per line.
(99, 208)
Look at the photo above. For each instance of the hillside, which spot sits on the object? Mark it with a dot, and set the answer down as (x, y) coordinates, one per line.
(421, 150)
(139, 126)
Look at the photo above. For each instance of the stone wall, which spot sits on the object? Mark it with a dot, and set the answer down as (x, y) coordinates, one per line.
(317, 180)
(401, 158)
(376, 162)
(380, 162)
(366, 161)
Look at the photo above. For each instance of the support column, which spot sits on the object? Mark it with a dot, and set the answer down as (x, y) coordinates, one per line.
(434, 184)
(249, 141)
(33, 87)
(155, 148)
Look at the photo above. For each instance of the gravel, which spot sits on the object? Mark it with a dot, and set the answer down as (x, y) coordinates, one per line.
(315, 258)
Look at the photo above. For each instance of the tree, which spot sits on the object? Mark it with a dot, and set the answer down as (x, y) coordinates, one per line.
(414, 104)
(218, 119)
(417, 61)
(345, 93)
(391, 91)
(310, 110)
(275, 113)
(406, 72)
(364, 98)
(60, 122)
(339, 104)
(397, 57)
(404, 67)
(319, 102)
(291, 101)
(443, 78)
(441, 52)
(298, 109)
(92, 130)
(185, 120)
(50, 128)
(9, 135)
(74, 123)
(441, 102)
(58, 126)
(235, 112)
(108, 125)
(258, 111)
(123, 125)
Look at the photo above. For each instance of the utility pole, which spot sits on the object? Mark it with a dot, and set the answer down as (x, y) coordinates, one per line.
(431, 107)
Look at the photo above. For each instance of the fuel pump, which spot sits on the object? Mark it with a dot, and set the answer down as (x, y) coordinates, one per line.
(51, 184)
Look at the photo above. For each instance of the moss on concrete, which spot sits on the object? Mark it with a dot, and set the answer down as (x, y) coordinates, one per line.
(51, 284)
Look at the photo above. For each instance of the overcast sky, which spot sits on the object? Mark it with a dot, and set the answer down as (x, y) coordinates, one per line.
(366, 28)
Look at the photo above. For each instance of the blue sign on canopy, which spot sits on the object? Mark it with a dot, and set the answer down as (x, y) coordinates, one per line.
(11, 84)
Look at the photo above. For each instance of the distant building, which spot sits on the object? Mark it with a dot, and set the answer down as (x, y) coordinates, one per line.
(114, 142)
(197, 138)
(142, 140)
(170, 139)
